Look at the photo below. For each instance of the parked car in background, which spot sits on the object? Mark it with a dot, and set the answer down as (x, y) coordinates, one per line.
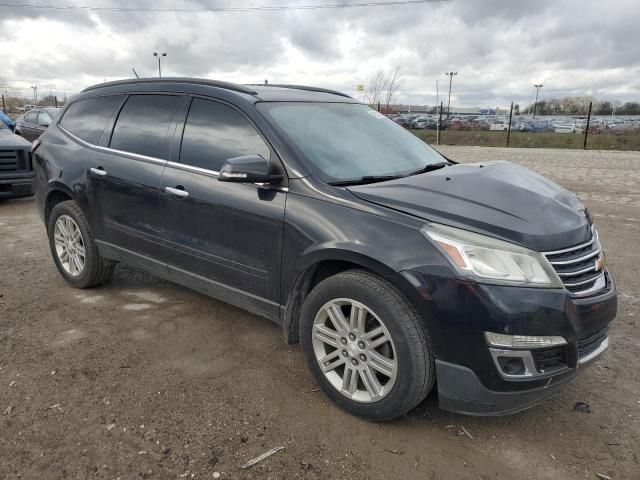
(16, 173)
(31, 124)
(499, 127)
(26, 108)
(397, 269)
(424, 122)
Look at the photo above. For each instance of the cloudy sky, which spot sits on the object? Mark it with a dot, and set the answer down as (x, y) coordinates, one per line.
(499, 48)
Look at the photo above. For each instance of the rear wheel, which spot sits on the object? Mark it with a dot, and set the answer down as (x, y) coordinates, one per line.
(73, 247)
(365, 346)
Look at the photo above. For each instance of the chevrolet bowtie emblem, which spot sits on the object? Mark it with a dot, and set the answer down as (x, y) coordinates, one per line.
(600, 263)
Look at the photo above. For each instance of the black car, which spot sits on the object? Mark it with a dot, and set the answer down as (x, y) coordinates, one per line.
(16, 173)
(396, 268)
(34, 122)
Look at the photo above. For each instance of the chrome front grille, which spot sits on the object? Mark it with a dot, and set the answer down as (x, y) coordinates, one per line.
(581, 267)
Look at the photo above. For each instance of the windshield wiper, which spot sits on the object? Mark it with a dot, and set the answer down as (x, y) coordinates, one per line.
(430, 167)
(365, 179)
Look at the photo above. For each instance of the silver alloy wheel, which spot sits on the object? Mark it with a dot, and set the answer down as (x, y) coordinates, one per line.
(69, 244)
(354, 350)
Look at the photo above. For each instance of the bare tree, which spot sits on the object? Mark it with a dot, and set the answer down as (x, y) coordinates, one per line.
(376, 88)
(391, 85)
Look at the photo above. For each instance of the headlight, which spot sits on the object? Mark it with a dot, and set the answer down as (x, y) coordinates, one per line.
(489, 260)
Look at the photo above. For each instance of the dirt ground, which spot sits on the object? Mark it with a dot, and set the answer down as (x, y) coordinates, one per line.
(144, 379)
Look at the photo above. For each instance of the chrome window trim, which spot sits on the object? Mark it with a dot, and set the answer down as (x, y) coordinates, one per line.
(137, 156)
(184, 166)
(587, 358)
(168, 163)
(100, 148)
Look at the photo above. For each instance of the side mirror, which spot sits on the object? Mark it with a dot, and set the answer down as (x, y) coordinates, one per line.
(247, 169)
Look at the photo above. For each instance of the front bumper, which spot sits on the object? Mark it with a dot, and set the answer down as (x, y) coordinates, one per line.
(456, 314)
(17, 185)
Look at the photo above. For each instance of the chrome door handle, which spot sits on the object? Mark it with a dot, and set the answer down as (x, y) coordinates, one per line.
(177, 192)
(98, 171)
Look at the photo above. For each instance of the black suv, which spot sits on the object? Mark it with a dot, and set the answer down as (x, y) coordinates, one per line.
(396, 268)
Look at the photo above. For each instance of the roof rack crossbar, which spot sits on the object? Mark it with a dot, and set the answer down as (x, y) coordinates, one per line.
(303, 87)
(196, 81)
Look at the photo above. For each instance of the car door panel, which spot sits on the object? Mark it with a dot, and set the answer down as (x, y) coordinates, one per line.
(227, 232)
(125, 198)
(123, 186)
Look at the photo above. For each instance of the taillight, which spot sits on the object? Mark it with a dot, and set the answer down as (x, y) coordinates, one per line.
(36, 143)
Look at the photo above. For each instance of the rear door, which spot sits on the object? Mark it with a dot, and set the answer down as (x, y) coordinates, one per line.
(125, 178)
(227, 233)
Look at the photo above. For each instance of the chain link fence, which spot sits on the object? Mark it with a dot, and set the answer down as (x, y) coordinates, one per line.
(596, 132)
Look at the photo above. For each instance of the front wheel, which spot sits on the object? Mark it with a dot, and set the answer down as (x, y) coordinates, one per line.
(365, 346)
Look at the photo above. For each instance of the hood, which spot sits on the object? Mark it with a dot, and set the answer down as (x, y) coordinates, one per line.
(500, 199)
(9, 140)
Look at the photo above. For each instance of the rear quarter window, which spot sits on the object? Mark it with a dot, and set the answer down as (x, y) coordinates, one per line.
(87, 119)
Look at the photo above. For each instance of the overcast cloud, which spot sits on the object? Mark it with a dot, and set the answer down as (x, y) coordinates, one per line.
(500, 48)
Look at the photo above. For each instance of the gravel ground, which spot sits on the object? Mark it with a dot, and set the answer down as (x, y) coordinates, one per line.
(144, 379)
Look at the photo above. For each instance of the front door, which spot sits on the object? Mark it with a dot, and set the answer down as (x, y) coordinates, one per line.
(124, 181)
(225, 235)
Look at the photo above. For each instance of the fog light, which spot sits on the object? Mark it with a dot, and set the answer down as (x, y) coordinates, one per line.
(522, 341)
(512, 366)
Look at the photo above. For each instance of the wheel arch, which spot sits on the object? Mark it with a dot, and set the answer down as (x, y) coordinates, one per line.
(57, 193)
(317, 267)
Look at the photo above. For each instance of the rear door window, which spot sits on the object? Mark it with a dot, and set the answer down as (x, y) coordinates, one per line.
(215, 132)
(144, 123)
(87, 119)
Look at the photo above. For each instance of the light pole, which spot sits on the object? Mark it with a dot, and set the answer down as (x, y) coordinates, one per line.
(537, 86)
(159, 55)
(450, 75)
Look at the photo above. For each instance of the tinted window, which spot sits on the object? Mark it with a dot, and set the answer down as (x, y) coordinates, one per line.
(88, 118)
(31, 117)
(215, 132)
(143, 125)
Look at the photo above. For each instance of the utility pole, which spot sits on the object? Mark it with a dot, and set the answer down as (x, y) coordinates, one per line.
(437, 97)
(159, 56)
(450, 75)
(537, 86)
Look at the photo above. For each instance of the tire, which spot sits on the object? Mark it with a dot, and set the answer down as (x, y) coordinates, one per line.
(408, 349)
(95, 270)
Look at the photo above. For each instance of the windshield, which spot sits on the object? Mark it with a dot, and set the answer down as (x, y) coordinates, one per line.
(348, 141)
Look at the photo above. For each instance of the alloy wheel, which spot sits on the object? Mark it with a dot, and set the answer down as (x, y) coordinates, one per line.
(69, 245)
(354, 350)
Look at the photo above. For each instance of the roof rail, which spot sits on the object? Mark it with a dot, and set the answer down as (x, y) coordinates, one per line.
(195, 81)
(302, 87)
